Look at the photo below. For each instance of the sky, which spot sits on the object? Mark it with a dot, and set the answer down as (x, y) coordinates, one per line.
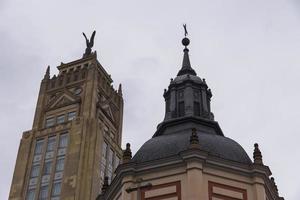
(247, 50)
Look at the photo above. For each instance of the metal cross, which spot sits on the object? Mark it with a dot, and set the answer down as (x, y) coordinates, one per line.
(138, 188)
(185, 31)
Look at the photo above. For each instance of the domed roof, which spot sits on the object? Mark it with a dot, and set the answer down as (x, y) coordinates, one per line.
(172, 144)
(185, 77)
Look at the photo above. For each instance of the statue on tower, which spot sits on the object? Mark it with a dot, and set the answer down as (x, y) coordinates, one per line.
(89, 44)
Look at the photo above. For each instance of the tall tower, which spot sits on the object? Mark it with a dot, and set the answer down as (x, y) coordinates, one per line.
(188, 157)
(75, 140)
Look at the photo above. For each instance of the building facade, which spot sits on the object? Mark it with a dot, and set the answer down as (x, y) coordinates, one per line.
(188, 157)
(75, 140)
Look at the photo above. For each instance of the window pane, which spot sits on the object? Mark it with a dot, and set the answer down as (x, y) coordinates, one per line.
(30, 194)
(60, 119)
(51, 143)
(35, 171)
(43, 193)
(63, 140)
(39, 147)
(56, 189)
(47, 167)
(50, 122)
(60, 164)
(71, 116)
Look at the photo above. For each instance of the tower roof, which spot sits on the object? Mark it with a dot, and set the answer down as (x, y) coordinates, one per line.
(188, 107)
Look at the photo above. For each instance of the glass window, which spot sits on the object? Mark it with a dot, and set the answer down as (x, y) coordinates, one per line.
(51, 143)
(47, 167)
(30, 194)
(43, 193)
(60, 119)
(56, 189)
(63, 140)
(60, 164)
(35, 170)
(39, 147)
(71, 116)
(50, 122)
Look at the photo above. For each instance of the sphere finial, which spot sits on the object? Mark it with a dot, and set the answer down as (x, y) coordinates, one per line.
(185, 41)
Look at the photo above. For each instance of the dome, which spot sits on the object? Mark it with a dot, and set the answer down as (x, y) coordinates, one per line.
(182, 78)
(172, 144)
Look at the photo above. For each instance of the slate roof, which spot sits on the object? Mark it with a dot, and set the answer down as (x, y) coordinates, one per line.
(172, 144)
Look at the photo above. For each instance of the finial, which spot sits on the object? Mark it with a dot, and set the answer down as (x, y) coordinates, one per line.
(185, 41)
(186, 65)
(120, 90)
(47, 74)
(194, 139)
(89, 44)
(257, 155)
(274, 185)
(105, 185)
(127, 155)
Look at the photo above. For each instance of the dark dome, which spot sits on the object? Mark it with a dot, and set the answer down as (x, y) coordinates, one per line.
(172, 144)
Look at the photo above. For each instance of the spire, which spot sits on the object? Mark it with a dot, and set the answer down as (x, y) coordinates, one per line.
(120, 90)
(186, 65)
(257, 155)
(47, 74)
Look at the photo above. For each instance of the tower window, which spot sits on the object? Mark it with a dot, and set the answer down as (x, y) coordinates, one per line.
(60, 164)
(60, 119)
(35, 171)
(181, 109)
(63, 140)
(71, 116)
(47, 167)
(30, 194)
(51, 143)
(50, 122)
(56, 189)
(43, 193)
(39, 147)
(196, 108)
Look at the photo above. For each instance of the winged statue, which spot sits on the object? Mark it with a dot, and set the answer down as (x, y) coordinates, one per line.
(89, 44)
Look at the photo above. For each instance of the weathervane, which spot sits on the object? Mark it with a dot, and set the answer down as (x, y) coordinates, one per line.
(89, 44)
(185, 31)
(185, 41)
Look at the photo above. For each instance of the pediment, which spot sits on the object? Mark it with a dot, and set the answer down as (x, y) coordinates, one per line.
(62, 99)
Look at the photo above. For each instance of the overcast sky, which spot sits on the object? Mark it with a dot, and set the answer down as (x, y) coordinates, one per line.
(248, 51)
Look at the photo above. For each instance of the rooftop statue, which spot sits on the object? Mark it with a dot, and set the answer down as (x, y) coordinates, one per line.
(89, 44)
